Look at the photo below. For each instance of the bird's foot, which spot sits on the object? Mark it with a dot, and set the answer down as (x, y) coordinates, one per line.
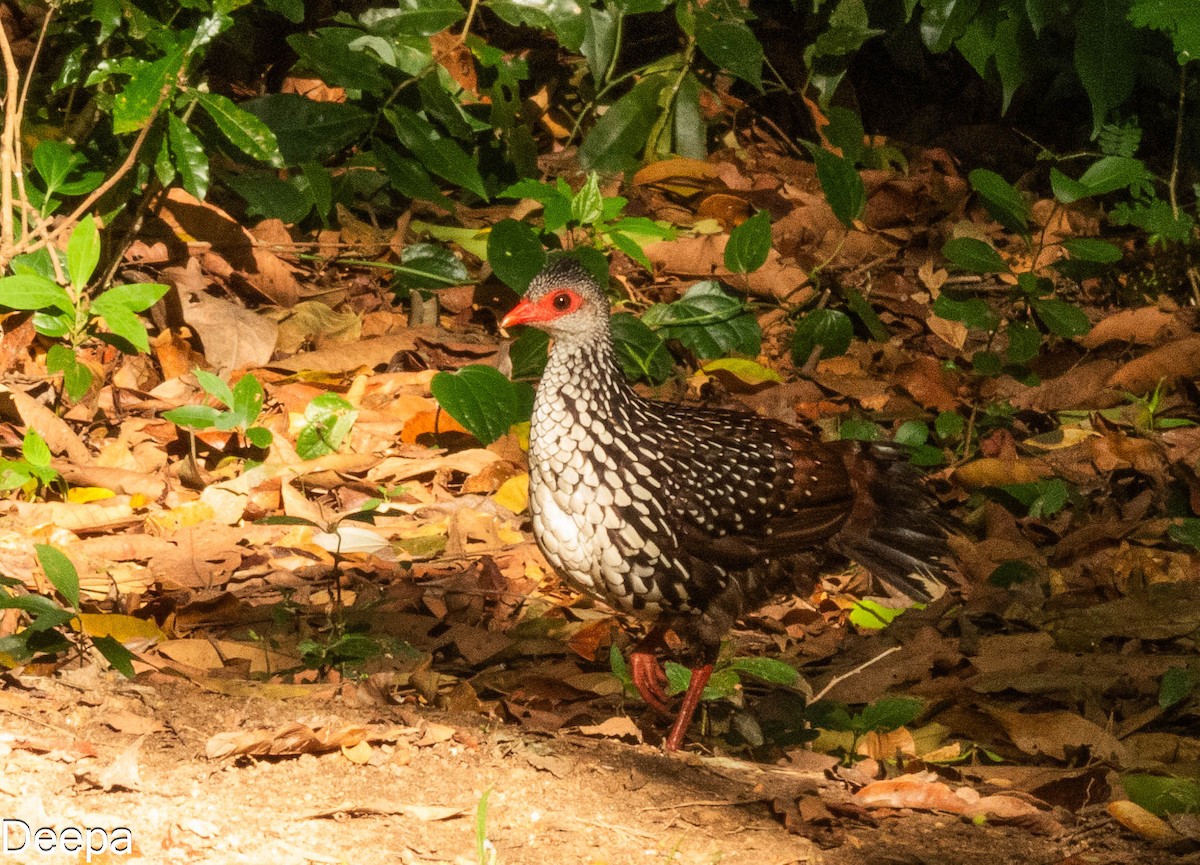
(691, 700)
(649, 679)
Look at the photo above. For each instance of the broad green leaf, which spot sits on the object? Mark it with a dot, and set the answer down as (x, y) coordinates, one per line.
(708, 322)
(214, 386)
(116, 654)
(328, 420)
(190, 159)
(1011, 573)
(35, 450)
(254, 136)
(831, 329)
(83, 252)
(873, 616)
(59, 571)
(731, 45)
(515, 253)
(409, 176)
(842, 185)
(269, 196)
(441, 156)
(587, 205)
(1176, 685)
(134, 106)
(337, 56)
(845, 33)
(123, 324)
(619, 136)
(426, 266)
(1108, 174)
(1104, 55)
(1061, 318)
(134, 297)
(640, 351)
(1177, 18)
(46, 614)
(1091, 249)
(1042, 498)
(1024, 341)
(912, 433)
(749, 372)
(248, 399)
(260, 437)
(943, 22)
(481, 399)
(1163, 795)
(845, 132)
(414, 17)
(1186, 531)
(1001, 199)
(193, 416)
(77, 378)
(975, 256)
(528, 353)
(890, 713)
(949, 425)
(28, 292)
(749, 244)
(859, 429)
(768, 670)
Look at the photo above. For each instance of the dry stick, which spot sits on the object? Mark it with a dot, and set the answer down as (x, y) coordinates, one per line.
(19, 122)
(837, 680)
(7, 144)
(1173, 183)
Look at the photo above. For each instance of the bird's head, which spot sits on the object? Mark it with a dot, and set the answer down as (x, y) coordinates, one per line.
(565, 301)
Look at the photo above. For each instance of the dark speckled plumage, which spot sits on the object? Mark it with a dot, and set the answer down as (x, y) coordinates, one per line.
(691, 517)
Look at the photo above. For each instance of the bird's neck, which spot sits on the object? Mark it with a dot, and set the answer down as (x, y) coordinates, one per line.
(582, 369)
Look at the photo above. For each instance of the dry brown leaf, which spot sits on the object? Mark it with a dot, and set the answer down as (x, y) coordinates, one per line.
(36, 416)
(294, 738)
(1052, 733)
(617, 727)
(1137, 819)
(996, 471)
(1147, 325)
(1178, 359)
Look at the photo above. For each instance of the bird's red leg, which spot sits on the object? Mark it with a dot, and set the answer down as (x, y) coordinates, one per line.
(647, 673)
(691, 699)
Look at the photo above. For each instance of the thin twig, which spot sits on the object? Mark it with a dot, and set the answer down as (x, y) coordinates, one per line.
(7, 142)
(837, 680)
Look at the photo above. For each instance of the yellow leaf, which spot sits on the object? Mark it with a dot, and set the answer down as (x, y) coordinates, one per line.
(359, 754)
(120, 627)
(513, 493)
(83, 495)
(748, 371)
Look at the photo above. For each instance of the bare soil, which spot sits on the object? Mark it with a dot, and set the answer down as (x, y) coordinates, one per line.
(553, 799)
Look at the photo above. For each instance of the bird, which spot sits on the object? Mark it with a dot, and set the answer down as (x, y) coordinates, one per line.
(690, 517)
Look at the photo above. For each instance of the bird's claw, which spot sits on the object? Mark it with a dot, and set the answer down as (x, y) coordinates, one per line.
(650, 680)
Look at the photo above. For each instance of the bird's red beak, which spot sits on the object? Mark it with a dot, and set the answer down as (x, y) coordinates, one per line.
(523, 313)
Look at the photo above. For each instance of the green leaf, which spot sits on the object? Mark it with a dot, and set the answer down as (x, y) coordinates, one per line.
(214, 386)
(190, 158)
(987, 363)
(842, 185)
(1091, 249)
(1024, 342)
(1001, 199)
(46, 614)
(587, 205)
(29, 292)
(873, 616)
(328, 420)
(1108, 174)
(247, 400)
(831, 329)
(1061, 318)
(249, 133)
(768, 670)
(1011, 573)
(749, 244)
(123, 324)
(77, 378)
(949, 425)
(859, 429)
(708, 322)
(83, 252)
(619, 136)
(973, 312)
(442, 156)
(528, 353)
(1042, 498)
(515, 253)
(60, 572)
(270, 196)
(640, 351)
(1104, 55)
(1163, 795)
(943, 22)
(845, 132)
(414, 17)
(1176, 685)
(35, 450)
(1177, 18)
(1186, 531)
(339, 58)
(116, 654)
(260, 437)
(134, 106)
(912, 433)
(481, 399)
(134, 297)
(193, 416)
(890, 713)
(731, 45)
(408, 176)
(975, 256)
(427, 266)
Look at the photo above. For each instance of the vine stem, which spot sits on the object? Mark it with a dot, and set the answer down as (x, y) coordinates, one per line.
(462, 37)
(1173, 182)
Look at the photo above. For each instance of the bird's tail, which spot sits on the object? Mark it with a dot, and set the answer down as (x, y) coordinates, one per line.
(895, 530)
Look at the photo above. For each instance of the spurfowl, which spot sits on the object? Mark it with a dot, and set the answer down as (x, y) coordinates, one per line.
(690, 517)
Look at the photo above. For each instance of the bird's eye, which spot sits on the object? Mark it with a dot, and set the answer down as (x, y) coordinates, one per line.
(561, 301)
